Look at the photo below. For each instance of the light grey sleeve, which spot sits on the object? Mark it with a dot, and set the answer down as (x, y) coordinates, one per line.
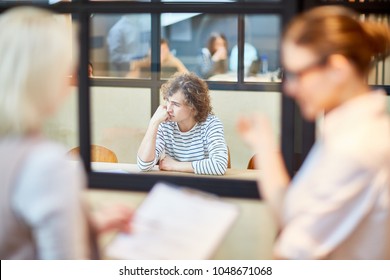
(217, 162)
(48, 197)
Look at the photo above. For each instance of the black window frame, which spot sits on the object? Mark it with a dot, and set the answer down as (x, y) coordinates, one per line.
(220, 186)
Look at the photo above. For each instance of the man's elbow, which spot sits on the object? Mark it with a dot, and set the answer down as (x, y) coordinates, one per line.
(221, 168)
(144, 166)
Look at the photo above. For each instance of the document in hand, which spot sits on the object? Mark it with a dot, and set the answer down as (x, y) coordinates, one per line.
(175, 223)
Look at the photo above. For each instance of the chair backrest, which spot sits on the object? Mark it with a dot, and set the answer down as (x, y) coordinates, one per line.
(98, 154)
(251, 163)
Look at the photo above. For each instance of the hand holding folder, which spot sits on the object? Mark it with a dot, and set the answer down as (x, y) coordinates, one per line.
(175, 223)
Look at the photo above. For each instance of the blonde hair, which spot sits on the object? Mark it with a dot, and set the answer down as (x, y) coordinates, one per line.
(36, 58)
(331, 30)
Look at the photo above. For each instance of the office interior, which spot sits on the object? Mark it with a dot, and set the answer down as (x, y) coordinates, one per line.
(112, 109)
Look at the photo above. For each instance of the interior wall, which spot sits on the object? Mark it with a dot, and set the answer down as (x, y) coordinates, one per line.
(120, 117)
(230, 105)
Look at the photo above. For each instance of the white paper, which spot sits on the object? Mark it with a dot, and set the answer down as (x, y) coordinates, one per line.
(121, 171)
(175, 223)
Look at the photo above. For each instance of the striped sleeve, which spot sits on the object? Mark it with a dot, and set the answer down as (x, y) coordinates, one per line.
(216, 163)
(160, 144)
(145, 165)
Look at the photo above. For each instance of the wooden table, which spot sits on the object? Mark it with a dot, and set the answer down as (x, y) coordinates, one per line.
(131, 168)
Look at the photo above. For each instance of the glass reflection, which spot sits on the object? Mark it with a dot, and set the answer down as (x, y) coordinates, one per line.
(117, 41)
(121, 0)
(120, 116)
(120, 45)
(202, 42)
(388, 104)
(214, 57)
(380, 73)
(262, 1)
(63, 126)
(38, 1)
(170, 64)
(261, 51)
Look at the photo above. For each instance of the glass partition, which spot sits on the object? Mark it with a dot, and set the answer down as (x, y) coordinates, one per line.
(63, 126)
(121, 0)
(264, 1)
(120, 117)
(228, 106)
(206, 44)
(380, 74)
(119, 120)
(118, 42)
(261, 48)
(201, 42)
(388, 103)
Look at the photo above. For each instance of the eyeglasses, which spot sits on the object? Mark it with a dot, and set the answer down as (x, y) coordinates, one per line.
(291, 76)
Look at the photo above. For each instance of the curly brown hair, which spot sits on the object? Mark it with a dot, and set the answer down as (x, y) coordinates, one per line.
(195, 91)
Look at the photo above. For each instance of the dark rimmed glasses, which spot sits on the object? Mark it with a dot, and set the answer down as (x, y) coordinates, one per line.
(292, 76)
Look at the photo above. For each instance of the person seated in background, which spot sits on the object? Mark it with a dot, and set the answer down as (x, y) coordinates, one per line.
(251, 58)
(42, 213)
(338, 204)
(90, 70)
(214, 58)
(128, 40)
(169, 63)
(184, 135)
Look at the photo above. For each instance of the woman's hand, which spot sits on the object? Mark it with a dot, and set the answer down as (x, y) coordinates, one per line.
(220, 54)
(256, 131)
(115, 217)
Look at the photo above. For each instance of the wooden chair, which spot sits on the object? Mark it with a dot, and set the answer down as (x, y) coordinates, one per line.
(98, 154)
(229, 164)
(251, 163)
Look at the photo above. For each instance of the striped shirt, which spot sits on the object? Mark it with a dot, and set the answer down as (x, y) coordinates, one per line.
(204, 145)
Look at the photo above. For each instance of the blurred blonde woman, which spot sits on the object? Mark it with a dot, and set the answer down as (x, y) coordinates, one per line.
(42, 215)
(338, 205)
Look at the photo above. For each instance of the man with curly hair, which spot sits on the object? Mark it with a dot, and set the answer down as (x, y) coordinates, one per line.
(184, 135)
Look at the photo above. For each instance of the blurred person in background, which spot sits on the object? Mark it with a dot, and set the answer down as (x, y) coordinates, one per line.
(338, 204)
(169, 63)
(42, 209)
(214, 58)
(127, 41)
